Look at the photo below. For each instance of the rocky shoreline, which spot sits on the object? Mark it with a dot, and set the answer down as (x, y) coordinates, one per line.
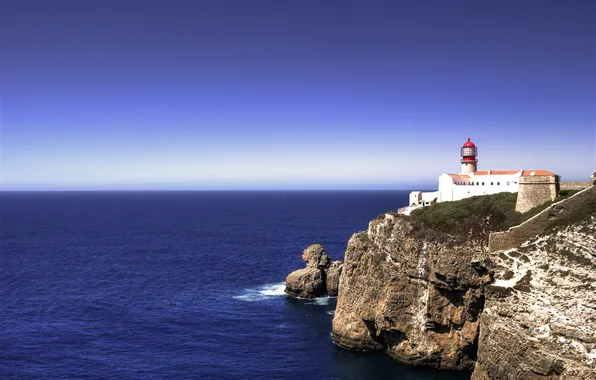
(525, 312)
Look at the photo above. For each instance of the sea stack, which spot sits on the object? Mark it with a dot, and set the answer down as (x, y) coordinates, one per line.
(319, 278)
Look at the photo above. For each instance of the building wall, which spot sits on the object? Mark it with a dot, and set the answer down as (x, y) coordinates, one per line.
(415, 198)
(536, 190)
(454, 189)
(468, 167)
(423, 199)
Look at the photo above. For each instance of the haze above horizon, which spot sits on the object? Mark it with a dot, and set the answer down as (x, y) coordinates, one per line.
(107, 95)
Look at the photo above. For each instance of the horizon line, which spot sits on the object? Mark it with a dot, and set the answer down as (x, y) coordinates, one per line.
(193, 190)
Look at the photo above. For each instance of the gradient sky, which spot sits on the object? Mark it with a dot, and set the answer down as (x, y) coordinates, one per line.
(254, 94)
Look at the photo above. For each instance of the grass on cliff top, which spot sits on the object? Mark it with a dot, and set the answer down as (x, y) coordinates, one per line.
(475, 217)
(494, 212)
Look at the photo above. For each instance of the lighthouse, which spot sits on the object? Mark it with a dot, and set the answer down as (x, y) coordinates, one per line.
(534, 187)
(468, 158)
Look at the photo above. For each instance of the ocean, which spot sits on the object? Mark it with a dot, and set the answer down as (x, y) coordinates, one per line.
(177, 285)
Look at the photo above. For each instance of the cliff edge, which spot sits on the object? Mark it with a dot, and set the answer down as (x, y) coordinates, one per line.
(417, 299)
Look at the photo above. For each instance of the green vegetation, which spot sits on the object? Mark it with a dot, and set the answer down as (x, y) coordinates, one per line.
(578, 215)
(566, 193)
(474, 217)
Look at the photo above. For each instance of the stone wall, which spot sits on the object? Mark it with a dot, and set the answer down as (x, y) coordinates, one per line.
(536, 225)
(536, 190)
(574, 185)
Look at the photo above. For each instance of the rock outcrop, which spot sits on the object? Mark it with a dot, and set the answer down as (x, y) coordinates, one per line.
(333, 274)
(523, 309)
(306, 283)
(539, 320)
(315, 257)
(417, 298)
(319, 278)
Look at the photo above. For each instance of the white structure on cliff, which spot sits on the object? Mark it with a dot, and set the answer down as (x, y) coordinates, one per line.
(534, 187)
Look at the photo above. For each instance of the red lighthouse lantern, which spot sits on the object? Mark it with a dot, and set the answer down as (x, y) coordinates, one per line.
(468, 157)
(468, 151)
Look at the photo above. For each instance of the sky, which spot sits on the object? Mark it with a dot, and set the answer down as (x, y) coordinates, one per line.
(280, 94)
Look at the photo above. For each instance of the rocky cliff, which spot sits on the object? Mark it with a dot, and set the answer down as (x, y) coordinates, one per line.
(539, 319)
(418, 299)
(525, 312)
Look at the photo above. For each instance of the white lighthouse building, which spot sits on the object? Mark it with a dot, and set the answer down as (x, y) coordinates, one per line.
(539, 186)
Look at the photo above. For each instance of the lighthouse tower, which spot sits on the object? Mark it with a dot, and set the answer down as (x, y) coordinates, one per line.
(468, 158)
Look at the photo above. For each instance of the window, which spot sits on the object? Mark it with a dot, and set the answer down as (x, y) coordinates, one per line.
(482, 183)
(492, 183)
(498, 183)
(508, 183)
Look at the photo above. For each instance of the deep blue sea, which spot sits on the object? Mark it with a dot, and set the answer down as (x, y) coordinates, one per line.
(176, 285)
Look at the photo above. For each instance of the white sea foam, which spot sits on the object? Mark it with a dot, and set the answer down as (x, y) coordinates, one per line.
(274, 289)
(323, 301)
(262, 292)
(331, 312)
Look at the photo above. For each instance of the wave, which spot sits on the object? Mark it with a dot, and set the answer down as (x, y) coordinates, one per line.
(321, 301)
(262, 292)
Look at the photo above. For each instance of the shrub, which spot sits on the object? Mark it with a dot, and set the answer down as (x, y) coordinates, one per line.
(472, 218)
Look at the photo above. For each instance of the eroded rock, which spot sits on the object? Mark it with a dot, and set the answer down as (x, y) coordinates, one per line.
(539, 319)
(333, 274)
(416, 299)
(315, 257)
(306, 283)
(319, 278)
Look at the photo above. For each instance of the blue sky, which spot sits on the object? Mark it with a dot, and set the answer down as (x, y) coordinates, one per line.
(291, 94)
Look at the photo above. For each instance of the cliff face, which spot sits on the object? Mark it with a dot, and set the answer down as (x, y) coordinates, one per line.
(415, 298)
(539, 319)
(522, 308)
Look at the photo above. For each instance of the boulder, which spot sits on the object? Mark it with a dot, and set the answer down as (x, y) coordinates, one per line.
(306, 283)
(332, 281)
(315, 257)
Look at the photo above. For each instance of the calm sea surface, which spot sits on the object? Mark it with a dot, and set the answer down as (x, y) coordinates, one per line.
(176, 285)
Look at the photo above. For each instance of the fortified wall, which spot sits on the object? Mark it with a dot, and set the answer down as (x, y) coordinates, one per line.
(536, 225)
(536, 190)
(574, 185)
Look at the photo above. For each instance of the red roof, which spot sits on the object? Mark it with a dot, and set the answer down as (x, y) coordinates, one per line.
(504, 172)
(496, 172)
(468, 144)
(538, 172)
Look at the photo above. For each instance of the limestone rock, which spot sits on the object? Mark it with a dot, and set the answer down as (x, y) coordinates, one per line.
(319, 278)
(315, 257)
(414, 298)
(306, 283)
(522, 308)
(539, 319)
(333, 274)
